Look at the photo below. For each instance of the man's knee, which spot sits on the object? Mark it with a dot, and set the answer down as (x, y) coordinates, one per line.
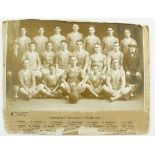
(125, 91)
(40, 87)
(38, 74)
(128, 77)
(21, 90)
(64, 86)
(139, 77)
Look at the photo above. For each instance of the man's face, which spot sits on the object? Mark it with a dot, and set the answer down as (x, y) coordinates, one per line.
(26, 64)
(115, 64)
(116, 46)
(127, 33)
(91, 30)
(132, 49)
(73, 61)
(79, 45)
(64, 45)
(23, 31)
(15, 46)
(49, 46)
(110, 32)
(97, 48)
(57, 30)
(32, 47)
(41, 31)
(95, 69)
(75, 27)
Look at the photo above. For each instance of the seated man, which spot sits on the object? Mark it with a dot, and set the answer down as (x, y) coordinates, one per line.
(52, 83)
(95, 81)
(27, 82)
(132, 64)
(115, 86)
(34, 60)
(73, 76)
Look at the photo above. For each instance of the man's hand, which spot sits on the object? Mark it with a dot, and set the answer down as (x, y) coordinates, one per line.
(9, 73)
(128, 73)
(138, 75)
(80, 83)
(29, 91)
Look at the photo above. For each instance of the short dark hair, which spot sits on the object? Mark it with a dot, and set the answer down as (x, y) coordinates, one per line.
(95, 66)
(91, 26)
(64, 41)
(73, 56)
(79, 41)
(116, 42)
(32, 43)
(24, 61)
(49, 42)
(97, 44)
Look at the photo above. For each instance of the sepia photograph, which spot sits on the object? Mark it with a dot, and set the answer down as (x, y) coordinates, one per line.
(75, 77)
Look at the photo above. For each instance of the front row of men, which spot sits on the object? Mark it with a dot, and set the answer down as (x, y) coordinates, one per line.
(76, 74)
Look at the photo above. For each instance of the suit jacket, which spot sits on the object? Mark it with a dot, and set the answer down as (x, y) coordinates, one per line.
(13, 61)
(133, 64)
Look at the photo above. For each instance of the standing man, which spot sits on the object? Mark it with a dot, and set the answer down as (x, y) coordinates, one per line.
(56, 39)
(82, 56)
(115, 54)
(34, 60)
(40, 40)
(98, 59)
(108, 41)
(115, 87)
(48, 58)
(133, 66)
(73, 37)
(90, 40)
(63, 58)
(23, 41)
(13, 66)
(126, 41)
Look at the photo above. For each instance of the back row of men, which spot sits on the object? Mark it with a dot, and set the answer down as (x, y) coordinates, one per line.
(107, 42)
(93, 70)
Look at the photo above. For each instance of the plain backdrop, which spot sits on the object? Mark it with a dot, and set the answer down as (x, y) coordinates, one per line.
(132, 11)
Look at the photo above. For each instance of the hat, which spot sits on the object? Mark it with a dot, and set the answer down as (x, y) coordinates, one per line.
(110, 29)
(133, 43)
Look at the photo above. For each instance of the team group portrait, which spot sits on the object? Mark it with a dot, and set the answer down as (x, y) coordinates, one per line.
(74, 60)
